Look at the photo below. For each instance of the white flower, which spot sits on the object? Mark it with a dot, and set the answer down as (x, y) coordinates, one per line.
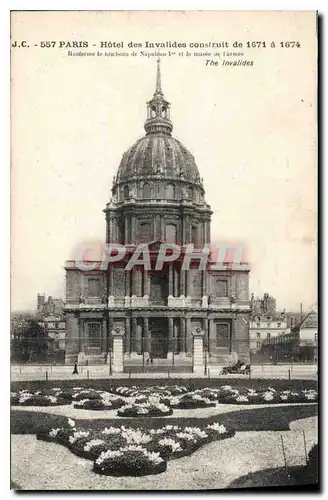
(105, 455)
(283, 397)
(111, 430)
(77, 435)
(92, 443)
(310, 396)
(71, 422)
(221, 429)
(185, 435)
(25, 396)
(53, 433)
(226, 387)
(175, 445)
(52, 399)
(242, 399)
(268, 396)
(135, 436)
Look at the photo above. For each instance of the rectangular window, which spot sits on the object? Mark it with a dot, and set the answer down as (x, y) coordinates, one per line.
(258, 335)
(268, 336)
(94, 334)
(93, 287)
(221, 288)
(222, 335)
(258, 345)
(145, 234)
(258, 324)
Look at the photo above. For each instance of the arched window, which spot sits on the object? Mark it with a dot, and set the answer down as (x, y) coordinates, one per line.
(94, 335)
(145, 235)
(171, 233)
(170, 192)
(126, 192)
(191, 193)
(146, 191)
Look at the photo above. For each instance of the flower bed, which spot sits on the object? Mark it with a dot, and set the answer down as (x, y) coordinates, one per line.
(145, 409)
(25, 398)
(122, 451)
(191, 400)
(228, 395)
(100, 404)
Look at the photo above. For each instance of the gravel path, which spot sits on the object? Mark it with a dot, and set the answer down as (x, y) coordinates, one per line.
(71, 412)
(48, 466)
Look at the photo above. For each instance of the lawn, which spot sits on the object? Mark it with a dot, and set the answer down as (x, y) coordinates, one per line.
(191, 384)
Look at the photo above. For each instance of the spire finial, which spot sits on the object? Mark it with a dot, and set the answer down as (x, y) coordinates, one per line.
(158, 78)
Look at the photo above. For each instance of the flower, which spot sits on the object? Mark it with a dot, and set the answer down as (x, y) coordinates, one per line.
(268, 396)
(53, 433)
(111, 430)
(71, 422)
(92, 443)
(174, 445)
(52, 399)
(135, 436)
(242, 399)
(77, 435)
(105, 455)
(221, 429)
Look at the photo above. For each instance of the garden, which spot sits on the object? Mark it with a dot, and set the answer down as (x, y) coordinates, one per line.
(142, 428)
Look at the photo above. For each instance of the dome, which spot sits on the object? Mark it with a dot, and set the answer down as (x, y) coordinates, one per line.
(158, 154)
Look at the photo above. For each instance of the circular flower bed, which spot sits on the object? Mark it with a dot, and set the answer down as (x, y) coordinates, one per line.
(144, 409)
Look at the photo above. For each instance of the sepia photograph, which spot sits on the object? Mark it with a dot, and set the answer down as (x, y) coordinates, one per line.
(164, 260)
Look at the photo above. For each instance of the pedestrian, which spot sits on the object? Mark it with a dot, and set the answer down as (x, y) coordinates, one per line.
(75, 372)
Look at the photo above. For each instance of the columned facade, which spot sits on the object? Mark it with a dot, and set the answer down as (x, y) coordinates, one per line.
(157, 196)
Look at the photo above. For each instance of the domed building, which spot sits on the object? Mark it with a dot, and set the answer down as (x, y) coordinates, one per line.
(157, 197)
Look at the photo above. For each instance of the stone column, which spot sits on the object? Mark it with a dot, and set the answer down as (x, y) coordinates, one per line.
(139, 339)
(204, 289)
(135, 282)
(176, 283)
(188, 336)
(127, 283)
(188, 279)
(127, 335)
(134, 335)
(170, 350)
(198, 351)
(146, 283)
(212, 337)
(117, 363)
(183, 348)
(110, 281)
(182, 282)
(147, 337)
(126, 230)
(104, 336)
(171, 290)
(133, 229)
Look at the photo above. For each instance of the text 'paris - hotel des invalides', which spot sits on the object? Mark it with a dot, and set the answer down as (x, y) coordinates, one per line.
(157, 196)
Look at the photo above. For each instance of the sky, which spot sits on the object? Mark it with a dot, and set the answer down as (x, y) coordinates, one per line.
(252, 130)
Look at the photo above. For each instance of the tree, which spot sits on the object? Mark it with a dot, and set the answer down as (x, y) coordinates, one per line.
(29, 342)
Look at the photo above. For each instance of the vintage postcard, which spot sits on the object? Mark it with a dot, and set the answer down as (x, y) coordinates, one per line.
(164, 319)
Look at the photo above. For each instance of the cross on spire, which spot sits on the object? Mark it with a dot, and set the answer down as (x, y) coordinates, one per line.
(158, 79)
